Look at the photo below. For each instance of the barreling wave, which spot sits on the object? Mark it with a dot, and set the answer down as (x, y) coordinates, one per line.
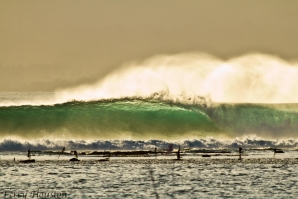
(160, 99)
(145, 119)
(106, 119)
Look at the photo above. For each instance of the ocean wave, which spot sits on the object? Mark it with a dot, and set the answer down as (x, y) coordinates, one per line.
(147, 119)
(107, 119)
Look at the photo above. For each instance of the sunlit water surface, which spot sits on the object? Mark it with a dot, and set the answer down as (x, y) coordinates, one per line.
(58, 178)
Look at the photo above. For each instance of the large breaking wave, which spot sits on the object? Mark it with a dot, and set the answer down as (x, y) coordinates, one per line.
(185, 97)
(148, 119)
(112, 119)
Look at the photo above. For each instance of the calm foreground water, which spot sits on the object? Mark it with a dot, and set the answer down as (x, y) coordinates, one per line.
(173, 179)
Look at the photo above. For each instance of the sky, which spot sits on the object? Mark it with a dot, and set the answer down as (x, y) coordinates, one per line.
(49, 45)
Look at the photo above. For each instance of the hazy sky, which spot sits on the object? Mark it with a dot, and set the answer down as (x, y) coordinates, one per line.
(51, 44)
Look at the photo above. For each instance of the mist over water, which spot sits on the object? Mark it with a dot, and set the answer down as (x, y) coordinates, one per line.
(251, 78)
(186, 78)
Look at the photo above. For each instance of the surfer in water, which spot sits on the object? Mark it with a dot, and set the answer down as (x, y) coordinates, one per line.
(240, 151)
(29, 153)
(274, 153)
(29, 158)
(76, 157)
(178, 154)
(62, 151)
(75, 153)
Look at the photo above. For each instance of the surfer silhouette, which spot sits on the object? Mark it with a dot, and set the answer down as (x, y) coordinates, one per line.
(29, 158)
(178, 154)
(277, 151)
(76, 157)
(62, 151)
(75, 153)
(274, 153)
(29, 153)
(240, 151)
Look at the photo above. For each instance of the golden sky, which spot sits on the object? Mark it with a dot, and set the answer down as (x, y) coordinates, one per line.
(51, 44)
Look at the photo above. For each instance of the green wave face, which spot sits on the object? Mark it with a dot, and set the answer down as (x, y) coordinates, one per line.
(105, 120)
(141, 119)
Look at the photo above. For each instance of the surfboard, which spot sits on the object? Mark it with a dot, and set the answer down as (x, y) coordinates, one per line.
(28, 161)
(105, 159)
(74, 160)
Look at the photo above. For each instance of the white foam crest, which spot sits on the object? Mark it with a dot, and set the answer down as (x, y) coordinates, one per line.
(251, 78)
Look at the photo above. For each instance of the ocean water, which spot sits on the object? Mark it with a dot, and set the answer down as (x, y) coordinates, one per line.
(171, 179)
(39, 122)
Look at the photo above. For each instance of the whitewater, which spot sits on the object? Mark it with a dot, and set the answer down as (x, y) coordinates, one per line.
(193, 100)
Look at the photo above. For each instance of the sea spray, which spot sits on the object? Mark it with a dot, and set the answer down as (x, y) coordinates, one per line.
(250, 78)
